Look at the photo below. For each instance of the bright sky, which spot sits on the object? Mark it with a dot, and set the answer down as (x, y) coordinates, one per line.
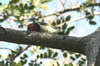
(83, 28)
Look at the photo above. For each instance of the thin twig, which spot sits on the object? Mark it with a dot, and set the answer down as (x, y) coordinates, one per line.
(19, 52)
(9, 49)
(73, 9)
(76, 19)
(62, 3)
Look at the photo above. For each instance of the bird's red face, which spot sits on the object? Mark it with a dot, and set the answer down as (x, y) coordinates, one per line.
(33, 27)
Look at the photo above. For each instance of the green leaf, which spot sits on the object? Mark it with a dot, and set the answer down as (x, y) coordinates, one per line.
(36, 64)
(53, 24)
(58, 64)
(68, 18)
(20, 26)
(19, 64)
(13, 1)
(45, 1)
(58, 21)
(72, 58)
(21, 5)
(25, 55)
(22, 57)
(37, 56)
(45, 55)
(0, 3)
(77, 55)
(87, 12)
(62, 19)
(42, 48)
(65, 64)
(70, 64)
(92, 22)
(50, 53)
(90, 17)
(69, 29)
(65, 54)
(1, 20)
(17, 17)
(30, 64)
(64, 26)
(55, 54)
(41, 62)
(83, 59)
(23, 61)
(4, 18)
(20, 48)
(14, 63)
(41, 55)
(26, 6)
(81, 62)
(22, 11)
(31, 7)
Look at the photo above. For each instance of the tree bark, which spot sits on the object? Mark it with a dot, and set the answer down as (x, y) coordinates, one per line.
(88, 45)
(57, 41)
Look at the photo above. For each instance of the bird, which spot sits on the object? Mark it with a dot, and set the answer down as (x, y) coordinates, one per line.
(41, 27)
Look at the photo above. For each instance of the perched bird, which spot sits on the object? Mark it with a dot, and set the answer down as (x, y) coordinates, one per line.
(41, 27)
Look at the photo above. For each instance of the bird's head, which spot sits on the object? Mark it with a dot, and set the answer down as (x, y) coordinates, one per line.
(34, 27)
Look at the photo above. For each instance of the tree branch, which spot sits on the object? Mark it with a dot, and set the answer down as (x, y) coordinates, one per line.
(63, 42)
(88, 45)
(73, 9)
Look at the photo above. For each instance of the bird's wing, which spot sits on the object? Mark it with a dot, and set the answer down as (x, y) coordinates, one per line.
(49, 29)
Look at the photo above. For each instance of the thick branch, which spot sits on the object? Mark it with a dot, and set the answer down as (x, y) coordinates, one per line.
(88, 45)
(63, 42)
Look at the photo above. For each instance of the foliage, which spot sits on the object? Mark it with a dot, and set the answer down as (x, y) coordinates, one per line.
(32, 11)
(49, 54)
